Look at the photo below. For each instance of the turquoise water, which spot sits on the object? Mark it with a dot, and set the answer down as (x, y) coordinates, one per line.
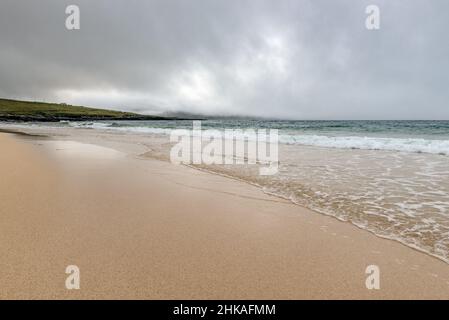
(405, 136)
(407, 129)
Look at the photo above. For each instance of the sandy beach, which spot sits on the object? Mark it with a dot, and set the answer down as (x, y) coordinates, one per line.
(146, 229)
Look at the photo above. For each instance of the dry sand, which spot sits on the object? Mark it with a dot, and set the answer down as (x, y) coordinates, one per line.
(148, 229)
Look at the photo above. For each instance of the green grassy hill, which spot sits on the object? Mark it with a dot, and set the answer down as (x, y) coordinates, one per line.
(15, 110)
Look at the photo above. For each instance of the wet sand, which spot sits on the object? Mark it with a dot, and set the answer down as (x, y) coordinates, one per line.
(147, 229)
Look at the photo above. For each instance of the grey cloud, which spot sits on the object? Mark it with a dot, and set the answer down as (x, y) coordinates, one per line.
(298, 59)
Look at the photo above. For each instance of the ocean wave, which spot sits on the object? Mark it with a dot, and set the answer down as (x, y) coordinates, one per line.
(415, 145)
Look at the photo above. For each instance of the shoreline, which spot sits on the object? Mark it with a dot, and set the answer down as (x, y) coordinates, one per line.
(273, 220)
(408, 245)
(36, 133)
(398, 240)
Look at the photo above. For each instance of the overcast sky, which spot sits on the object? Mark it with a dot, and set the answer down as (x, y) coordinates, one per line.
(280, 58)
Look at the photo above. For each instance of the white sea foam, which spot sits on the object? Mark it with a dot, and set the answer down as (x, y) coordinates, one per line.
(131, 129)
(415, 145)
(371, 143)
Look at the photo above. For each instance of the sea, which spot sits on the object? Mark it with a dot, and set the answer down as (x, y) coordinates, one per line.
(390, 178)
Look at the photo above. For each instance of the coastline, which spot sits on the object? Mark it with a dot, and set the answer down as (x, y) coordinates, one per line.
(147, 229)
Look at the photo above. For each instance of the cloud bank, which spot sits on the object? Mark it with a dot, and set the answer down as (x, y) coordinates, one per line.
(293, 59)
